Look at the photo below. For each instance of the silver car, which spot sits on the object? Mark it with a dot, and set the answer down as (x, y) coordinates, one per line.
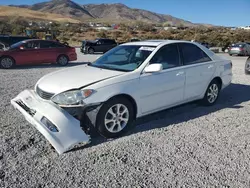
(239, 49)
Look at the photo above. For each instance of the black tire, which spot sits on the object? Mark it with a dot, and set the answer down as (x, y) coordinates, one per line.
(62, 60)
(7, 62)
(230, 54)
(91, 51)
(206, 101)
(103, 114)
(247, 66)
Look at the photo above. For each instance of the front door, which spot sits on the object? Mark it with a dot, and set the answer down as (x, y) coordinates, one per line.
(27, 53)
(166, 88)
(199, 69)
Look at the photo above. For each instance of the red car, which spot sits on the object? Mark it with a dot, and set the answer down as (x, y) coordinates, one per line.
(35, 51)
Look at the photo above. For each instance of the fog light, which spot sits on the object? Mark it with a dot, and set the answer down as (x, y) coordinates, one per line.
(49, 124)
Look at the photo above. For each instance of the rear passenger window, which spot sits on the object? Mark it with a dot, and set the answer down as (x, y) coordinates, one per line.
(168, 56)
(193, 54)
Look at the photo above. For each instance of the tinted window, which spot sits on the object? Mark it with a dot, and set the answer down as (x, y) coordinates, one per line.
(239, 45)
(193, 54)
(49, 44)
(31, 45)
(168, 56)
(109, 42)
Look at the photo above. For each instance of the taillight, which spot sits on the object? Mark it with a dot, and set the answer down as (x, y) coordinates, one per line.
(241, 49)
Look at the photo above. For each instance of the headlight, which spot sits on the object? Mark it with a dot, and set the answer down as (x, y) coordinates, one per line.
(74, 97)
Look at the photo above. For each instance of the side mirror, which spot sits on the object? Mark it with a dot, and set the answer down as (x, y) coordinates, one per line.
(153, 68)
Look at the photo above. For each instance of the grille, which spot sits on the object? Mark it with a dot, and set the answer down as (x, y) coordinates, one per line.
(43, 94)
(26, 108)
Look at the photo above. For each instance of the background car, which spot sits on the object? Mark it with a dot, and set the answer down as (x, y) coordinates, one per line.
(2, 47)
(36, 51)
(239, 49)
(98, 45)
(8, 40)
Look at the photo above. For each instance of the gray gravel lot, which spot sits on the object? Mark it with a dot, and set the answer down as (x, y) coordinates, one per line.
(189, 146)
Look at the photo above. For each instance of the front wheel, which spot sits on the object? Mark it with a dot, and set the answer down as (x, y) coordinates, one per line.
(7, 62)
(115, 117)
(212, 93)
(91, 51)
(247, 66)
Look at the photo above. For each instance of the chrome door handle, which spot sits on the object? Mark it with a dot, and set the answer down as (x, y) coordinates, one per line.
(179, 73)
(210, 66)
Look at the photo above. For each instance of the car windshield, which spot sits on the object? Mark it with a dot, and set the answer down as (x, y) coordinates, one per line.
(238, 45)
(16, 45)
(124, 58)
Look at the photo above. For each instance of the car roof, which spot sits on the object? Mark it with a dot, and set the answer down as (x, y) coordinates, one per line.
(155, 42)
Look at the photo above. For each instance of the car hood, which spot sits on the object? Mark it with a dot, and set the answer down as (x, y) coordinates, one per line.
(74, 78)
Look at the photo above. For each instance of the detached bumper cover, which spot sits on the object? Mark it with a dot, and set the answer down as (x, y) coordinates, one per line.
(65, 132)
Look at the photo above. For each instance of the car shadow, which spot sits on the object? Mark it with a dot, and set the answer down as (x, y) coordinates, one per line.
(231, 97)
(40, 66)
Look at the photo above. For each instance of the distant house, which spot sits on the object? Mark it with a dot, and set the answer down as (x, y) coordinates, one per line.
(172, 27)
(159, 28)
(104, 28)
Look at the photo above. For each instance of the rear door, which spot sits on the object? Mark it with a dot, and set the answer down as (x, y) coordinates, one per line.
(110, 44)
(199, 69)
(48, 51)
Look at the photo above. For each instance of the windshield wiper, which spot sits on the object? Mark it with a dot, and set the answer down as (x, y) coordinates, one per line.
(108, 67)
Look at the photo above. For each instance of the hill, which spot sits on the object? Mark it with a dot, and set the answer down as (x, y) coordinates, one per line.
(7, 11)
(122, 12)
(112, 12)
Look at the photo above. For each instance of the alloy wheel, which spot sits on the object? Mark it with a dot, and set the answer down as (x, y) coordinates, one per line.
(212, 93)
(248, 66)
(116, 118)
(7, 62)
(63, 60)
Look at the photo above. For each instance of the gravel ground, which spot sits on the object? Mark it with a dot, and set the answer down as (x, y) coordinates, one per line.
(188, 146)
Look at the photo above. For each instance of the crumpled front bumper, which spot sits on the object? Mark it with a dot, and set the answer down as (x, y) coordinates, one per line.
(66, 132)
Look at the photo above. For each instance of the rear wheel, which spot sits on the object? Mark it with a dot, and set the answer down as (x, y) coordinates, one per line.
(115, 117)
(91, 51)
(7, 62)
(62, 60)
(212, 93)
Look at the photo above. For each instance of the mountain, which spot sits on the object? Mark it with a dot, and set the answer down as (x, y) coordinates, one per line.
(122, 12)
(63, 7)
(108, 12)
(10, 11)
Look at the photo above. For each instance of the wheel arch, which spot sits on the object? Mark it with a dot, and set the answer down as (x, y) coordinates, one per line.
(3, 56)
(62, 54)
(8, 56)
(218, 79)
(128, 97)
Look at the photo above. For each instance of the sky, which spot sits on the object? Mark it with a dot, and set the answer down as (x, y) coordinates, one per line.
(216, 12)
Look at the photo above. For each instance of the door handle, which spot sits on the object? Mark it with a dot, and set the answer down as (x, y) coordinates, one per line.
(210, 66)
(179, 73)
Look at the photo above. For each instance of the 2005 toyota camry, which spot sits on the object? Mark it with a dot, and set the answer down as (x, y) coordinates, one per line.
(130, 81)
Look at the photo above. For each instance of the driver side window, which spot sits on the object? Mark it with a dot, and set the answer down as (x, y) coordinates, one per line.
(168, 56)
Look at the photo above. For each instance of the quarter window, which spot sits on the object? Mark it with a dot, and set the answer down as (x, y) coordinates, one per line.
(193, 54)
(168, 56)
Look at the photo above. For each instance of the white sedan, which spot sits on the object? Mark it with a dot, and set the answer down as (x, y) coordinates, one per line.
(130, 81)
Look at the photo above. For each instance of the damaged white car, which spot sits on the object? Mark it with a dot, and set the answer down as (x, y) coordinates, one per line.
(129, 81)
